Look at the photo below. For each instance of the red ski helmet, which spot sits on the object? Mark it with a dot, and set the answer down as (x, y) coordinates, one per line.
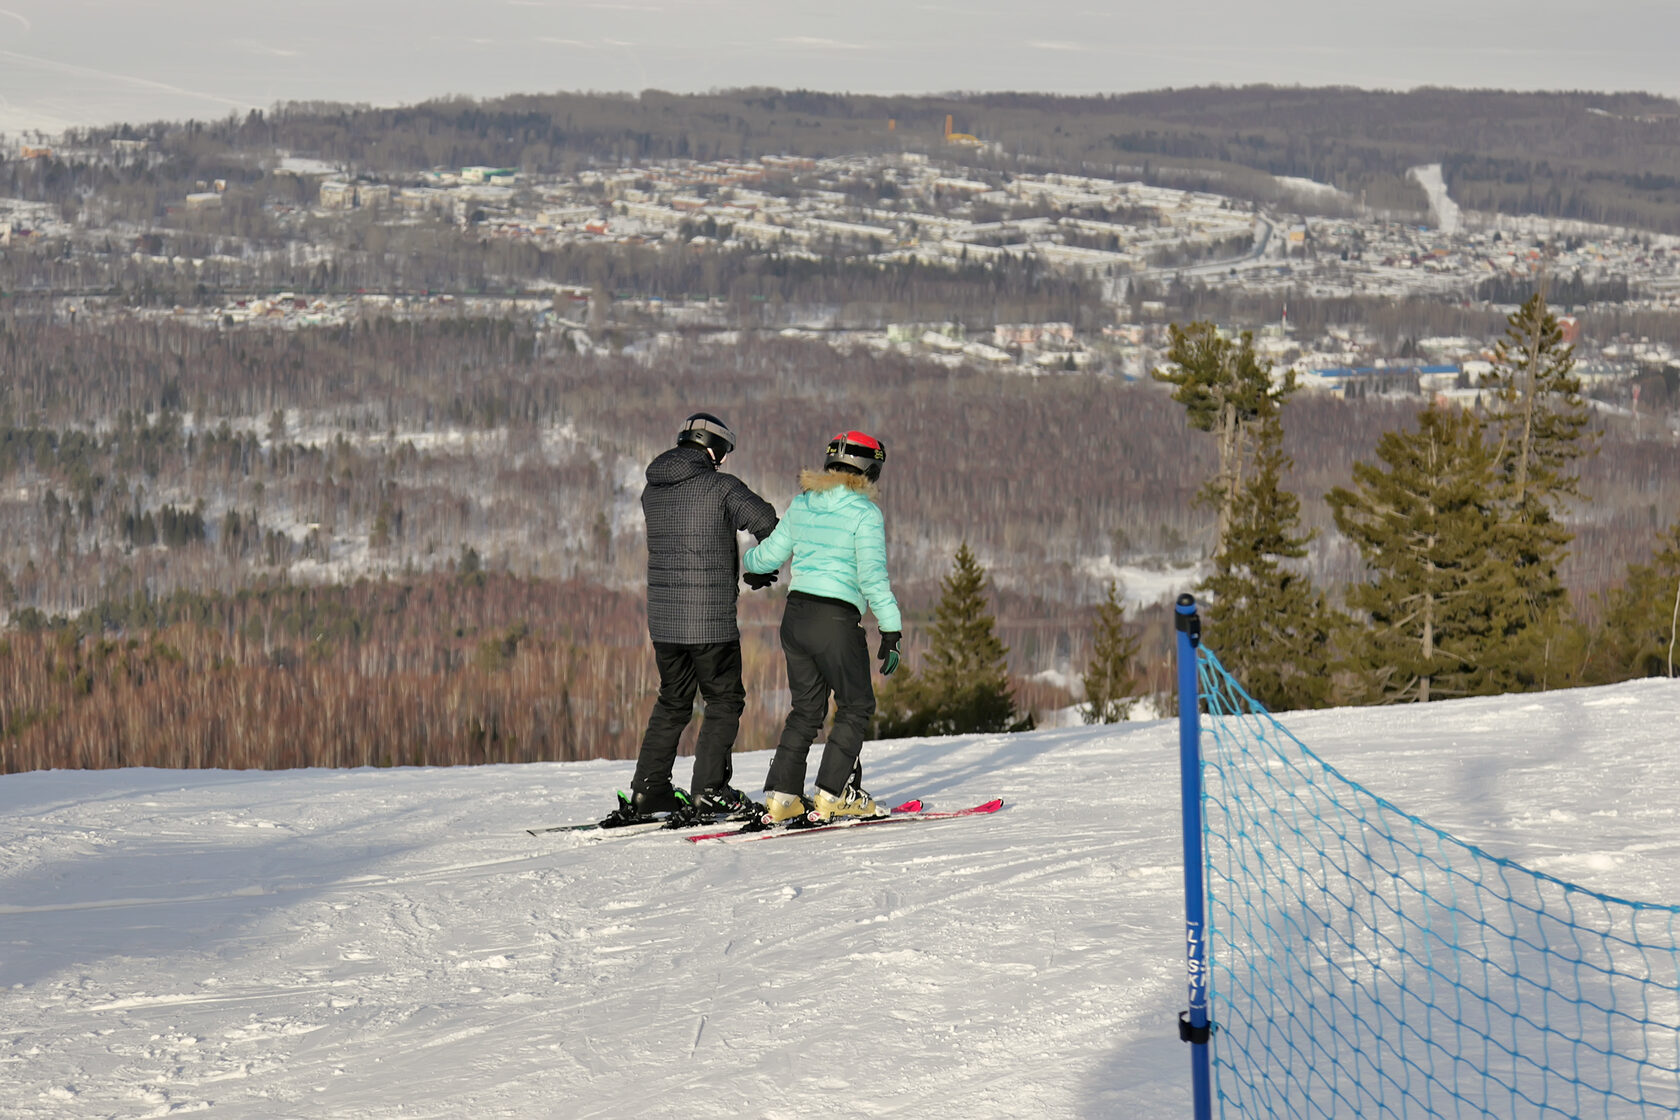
(856, 451)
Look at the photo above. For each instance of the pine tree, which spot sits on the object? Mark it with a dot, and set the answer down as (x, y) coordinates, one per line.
(1441, 604)
(1538, 414)
(1109, 677)
(1270, 626)
(968, 662)
(965, 687)
(1640, 636)
(1226, 389)
(1540, 421)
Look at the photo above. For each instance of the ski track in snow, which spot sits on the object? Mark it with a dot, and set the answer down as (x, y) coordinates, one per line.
(376, 943)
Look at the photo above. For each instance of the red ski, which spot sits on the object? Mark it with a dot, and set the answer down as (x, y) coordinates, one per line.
(741, 836)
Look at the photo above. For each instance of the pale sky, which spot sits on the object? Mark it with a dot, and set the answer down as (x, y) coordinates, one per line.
(66, 62)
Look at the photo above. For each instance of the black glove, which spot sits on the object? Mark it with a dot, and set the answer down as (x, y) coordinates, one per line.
(757, 581)
(888, 654)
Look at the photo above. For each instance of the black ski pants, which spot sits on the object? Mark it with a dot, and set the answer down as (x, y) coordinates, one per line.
(713, 670)
(827, 654)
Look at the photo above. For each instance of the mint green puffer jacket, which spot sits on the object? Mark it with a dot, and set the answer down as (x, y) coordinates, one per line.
(835, 535)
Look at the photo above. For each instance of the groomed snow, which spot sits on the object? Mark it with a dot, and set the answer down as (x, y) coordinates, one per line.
(371, 943)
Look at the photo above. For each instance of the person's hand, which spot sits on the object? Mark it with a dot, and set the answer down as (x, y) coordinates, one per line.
(758, 581)
(888, 653)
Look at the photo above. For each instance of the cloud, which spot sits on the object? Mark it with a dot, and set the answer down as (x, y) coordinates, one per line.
(556, 41)
(54, 65)
(1056, 45)
(20, 19)
(597, 5)
(820, 43)
(255, 47)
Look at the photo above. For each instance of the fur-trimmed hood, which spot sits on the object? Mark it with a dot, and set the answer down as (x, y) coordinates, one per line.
(814, 481)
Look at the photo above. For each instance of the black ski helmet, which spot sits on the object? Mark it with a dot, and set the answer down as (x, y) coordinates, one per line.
(707, 432)
(856, 451)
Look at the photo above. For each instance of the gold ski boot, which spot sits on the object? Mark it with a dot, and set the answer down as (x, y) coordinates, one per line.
(780, 808)
(849, 802)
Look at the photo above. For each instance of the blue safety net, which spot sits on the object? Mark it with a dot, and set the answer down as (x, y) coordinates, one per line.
(1365, 963)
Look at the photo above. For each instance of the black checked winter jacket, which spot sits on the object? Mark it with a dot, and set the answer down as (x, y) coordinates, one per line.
(693, 511)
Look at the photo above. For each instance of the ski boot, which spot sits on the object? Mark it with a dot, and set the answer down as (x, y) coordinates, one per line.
(721, 803)
(849, 802)
(727, 803)
(783, 808)
(644, 806)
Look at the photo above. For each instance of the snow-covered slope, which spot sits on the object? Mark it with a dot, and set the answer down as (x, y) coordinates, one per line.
(391, 943)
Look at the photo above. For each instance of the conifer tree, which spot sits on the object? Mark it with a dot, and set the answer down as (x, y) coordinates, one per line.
(1441, 604)
(1641, 630)
(1109, 677)
(1540, 422)
(1538, 414)
(965, 686)
(1270, 626)
(1225, 389)
(1273, 628)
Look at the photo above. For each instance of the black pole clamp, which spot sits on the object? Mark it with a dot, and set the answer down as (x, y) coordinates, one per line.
(1188, 1033)
(1188, 621)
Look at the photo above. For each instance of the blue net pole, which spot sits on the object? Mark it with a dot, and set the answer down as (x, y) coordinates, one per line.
(1193, 1024)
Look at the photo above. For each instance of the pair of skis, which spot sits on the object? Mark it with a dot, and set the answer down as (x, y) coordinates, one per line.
(901, 814)
(742, 833)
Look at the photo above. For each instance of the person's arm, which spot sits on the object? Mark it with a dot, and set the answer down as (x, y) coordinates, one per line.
(870, 551)
(772, 552)
(747, 511)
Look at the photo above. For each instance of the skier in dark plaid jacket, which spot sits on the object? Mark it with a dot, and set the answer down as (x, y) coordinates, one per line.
(693, 512)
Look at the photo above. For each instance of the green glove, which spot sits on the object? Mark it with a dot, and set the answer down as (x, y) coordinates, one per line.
(888, 654)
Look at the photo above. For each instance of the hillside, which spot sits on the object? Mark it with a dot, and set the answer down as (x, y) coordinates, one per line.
(1603, 157)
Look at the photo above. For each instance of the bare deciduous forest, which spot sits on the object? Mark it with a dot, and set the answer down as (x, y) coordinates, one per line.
(496, 484)
(418, 540)
(423, 671)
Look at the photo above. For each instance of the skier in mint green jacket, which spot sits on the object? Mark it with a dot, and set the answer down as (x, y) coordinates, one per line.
(834, 534)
